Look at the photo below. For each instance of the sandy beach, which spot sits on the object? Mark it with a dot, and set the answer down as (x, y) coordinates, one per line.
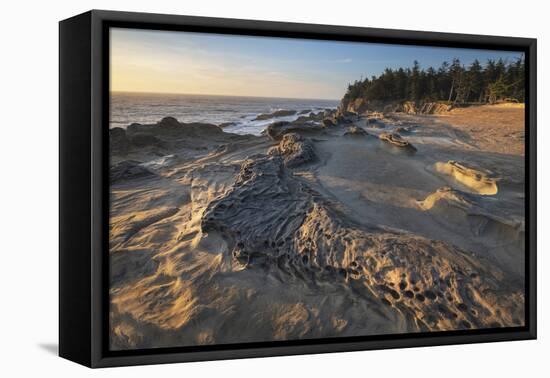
(334, 224)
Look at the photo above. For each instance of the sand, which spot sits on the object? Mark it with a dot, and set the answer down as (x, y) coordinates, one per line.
(496, 128)
(316, 229)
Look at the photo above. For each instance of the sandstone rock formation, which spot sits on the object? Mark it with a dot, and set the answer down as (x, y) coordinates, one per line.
(276, 130)
(395, 140)
(476, 179)
(294, 149)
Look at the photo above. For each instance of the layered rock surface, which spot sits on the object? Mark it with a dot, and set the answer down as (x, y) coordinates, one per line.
(306, 232)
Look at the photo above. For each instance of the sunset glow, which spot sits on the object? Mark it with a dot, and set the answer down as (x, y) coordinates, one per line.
(182, 62)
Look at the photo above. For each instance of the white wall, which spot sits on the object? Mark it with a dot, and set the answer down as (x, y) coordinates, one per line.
(28, 211)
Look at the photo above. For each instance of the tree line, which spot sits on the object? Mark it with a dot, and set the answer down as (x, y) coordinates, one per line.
(453, 83)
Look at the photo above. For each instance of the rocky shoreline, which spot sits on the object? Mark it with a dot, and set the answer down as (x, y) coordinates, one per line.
(340, 223)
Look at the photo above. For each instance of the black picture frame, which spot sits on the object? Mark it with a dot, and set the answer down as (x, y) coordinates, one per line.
(84, 189)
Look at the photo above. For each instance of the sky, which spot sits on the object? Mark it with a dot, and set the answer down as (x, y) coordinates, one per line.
(198, 63)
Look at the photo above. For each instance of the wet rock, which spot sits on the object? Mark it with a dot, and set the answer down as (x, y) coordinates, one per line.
(303, 120)
(144, 140)
(169, 123)
(276, 130)
(328, 122)
(341, 119)
(171, 126)
(118, 142)
(278, 113)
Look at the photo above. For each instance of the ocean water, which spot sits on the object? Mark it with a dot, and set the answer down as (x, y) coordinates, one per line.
(127, 108)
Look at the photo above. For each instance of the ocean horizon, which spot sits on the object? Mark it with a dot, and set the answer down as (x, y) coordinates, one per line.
(238, 113)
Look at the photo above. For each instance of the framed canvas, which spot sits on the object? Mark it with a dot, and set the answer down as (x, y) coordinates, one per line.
(234, 188)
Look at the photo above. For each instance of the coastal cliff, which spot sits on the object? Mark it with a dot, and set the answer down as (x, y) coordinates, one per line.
(362, 106)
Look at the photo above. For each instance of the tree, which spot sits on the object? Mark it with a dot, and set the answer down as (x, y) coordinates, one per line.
(414, 87)
(496, 81)
(431, 84)
(475, 80)
(455, 71)
(496, 91)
